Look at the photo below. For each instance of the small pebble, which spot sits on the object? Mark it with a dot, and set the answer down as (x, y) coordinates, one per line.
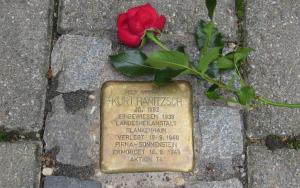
(93, 109)
(98, 173)
(179, 181)
(243, 175)
(243, 156)
(47, 171)
(92, 97)
(232, 45)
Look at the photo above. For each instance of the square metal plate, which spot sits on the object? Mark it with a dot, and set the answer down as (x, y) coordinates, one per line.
(146, 128)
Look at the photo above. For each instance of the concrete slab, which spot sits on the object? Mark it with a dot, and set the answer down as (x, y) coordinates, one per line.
(20, 166)
(279, 168)
(272, 29)
(25, 28)
(66, 182)
(230, 183)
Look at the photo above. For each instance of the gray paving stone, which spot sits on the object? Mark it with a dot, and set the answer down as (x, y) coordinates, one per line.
(141, 180)
(273, 31)
(65, 182)
(79, 62)
(277, 169)
(221, 141)
(230, 183)
(24, 60)
(19, 163)
(96, 16)
(75, 133)
(221, 131)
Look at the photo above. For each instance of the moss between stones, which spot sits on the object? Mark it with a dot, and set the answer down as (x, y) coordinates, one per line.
(240, 13)
(3, 137)
(8, 136)
(12, 136)
(277, 142)
(239, 4)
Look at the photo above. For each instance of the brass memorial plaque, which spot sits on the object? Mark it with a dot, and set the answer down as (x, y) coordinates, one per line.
(146, 128)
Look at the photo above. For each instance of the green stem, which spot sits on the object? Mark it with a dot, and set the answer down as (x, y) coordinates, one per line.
(220, 84)
(278, 104)
(229, 100)
(153, 38)
(209, 79)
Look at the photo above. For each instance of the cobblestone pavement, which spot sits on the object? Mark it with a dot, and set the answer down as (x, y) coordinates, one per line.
(53, 124)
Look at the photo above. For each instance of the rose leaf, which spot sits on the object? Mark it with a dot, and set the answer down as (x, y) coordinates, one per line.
(164, 76)
(212, 55)
(211, 5)
(245, 95)
(131, 63)
(168, 59)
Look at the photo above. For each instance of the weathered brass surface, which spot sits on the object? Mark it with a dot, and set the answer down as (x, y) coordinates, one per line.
(146, 128)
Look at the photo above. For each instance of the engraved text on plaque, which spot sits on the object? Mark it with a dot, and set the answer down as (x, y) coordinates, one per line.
(146, 128)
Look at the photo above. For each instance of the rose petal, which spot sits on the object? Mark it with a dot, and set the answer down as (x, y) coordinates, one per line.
(150, 10)
(128, 39)
(135, 26)
(160, 23)
(145, 18)
(122, 21)
(132, 11)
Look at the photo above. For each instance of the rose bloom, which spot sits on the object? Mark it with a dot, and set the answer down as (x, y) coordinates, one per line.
(133, 24)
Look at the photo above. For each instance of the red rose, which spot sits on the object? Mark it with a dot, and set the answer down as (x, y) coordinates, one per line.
(133, 24)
